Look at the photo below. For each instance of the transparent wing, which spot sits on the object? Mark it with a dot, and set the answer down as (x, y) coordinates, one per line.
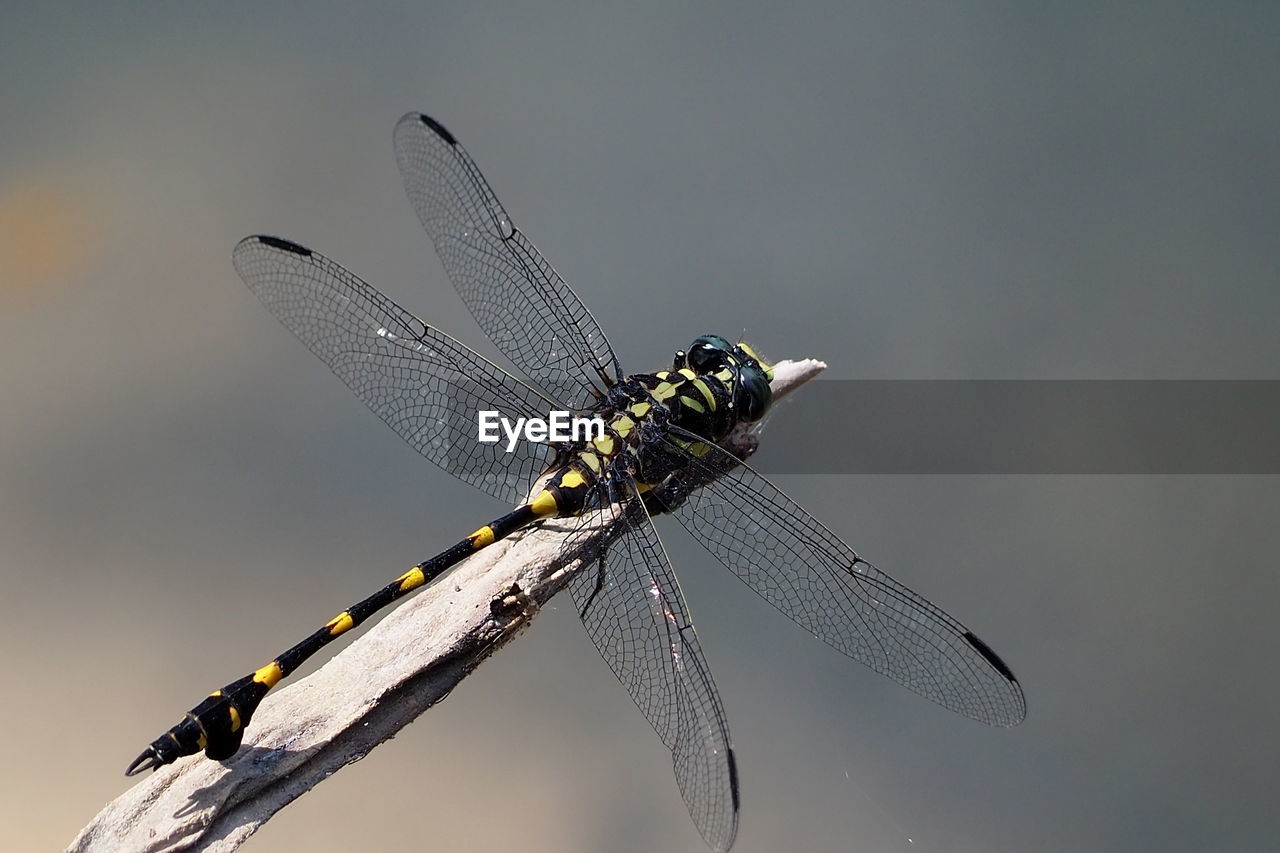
(632, 608)
(522, 304)
(795, 563)
(425, 385)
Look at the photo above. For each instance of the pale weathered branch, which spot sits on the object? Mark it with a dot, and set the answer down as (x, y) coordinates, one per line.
(405, 664)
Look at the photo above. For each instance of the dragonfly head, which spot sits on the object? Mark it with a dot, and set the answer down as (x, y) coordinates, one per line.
(749, 373)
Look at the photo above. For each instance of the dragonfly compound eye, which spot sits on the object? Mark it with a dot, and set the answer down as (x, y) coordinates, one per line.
(708, 354)
(753, 394)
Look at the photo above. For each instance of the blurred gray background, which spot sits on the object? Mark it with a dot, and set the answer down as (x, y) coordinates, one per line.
(922, 190)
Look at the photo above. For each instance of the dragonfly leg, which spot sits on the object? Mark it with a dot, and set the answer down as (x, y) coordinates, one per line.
(600, 576)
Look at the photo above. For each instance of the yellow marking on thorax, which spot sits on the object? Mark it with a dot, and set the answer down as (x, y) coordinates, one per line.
(706, 393)
(693, 404)
(687, 373)
(340, 624)
(572, 479)
(481, 538)
(411, 579)
(269, 675)
(697, 448)
(592, 461)
(604, 445)
(724, 375)
(623, 426)
(201, 740)
(235, 718)
(664, 391)
(768, 371)
(640, 409)
(544, 504)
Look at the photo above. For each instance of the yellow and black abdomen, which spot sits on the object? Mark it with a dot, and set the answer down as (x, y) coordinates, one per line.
(217, 724)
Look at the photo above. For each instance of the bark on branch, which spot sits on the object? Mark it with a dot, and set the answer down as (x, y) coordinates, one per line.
(312, 728)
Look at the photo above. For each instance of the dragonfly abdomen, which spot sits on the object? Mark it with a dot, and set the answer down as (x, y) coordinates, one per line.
(217, 724)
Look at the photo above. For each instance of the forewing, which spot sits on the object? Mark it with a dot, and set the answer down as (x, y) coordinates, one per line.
(425, 385)
(796, 564)
(633, 610)
(522, 304)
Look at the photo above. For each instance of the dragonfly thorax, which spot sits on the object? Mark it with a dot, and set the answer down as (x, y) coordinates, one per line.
(711, 388)
(705, 393)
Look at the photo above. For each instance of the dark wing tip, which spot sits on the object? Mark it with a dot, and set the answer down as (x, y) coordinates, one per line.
(440, 129)
(279, 243)
(990, 656)
(733, 779)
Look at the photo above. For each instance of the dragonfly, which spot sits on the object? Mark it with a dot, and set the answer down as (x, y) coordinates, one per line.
(661, 452)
